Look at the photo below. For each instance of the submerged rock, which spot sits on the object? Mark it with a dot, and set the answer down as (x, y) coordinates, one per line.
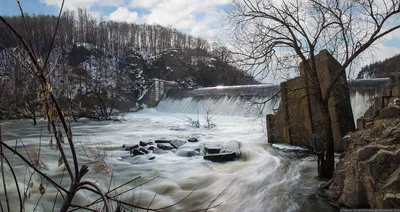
(150, 148)
(177, 143)
(187, 152)
(159, 151)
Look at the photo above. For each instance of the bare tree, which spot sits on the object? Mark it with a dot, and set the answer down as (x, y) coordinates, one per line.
(274, 35)
(208, 116)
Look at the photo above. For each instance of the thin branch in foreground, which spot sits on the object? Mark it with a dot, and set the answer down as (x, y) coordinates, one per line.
(2, 174)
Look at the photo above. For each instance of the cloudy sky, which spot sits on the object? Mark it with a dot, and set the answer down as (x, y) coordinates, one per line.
(197, 17)
(202, 18)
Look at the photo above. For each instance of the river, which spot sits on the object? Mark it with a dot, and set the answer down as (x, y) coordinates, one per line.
(263, 179)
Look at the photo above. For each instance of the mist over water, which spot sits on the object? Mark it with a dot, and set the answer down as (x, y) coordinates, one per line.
(263, 179)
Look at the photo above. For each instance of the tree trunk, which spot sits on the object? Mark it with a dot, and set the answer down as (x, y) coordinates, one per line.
(328, 162)
(34, 120)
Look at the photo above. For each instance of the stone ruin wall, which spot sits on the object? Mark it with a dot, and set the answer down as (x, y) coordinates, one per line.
(299, 118)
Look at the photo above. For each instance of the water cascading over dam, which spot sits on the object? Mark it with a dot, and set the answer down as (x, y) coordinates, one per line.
(255, 100)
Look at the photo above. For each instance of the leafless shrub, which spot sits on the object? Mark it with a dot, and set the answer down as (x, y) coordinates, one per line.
(208, 116)
(195, 123)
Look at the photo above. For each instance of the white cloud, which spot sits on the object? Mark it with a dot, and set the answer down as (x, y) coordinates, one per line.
(122, 14)
(200, 18)
(143, 3)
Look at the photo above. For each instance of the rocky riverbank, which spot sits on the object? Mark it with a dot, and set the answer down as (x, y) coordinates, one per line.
(368, 172)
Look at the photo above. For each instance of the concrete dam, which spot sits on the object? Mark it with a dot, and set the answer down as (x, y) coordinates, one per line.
(255, 100)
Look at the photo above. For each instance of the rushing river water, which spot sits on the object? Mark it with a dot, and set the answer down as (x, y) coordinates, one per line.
(263, 179)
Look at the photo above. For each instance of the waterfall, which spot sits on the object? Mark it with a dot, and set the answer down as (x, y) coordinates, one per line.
(245, 100)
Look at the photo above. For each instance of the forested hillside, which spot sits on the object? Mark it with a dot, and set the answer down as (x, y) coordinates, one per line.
(381, 68)
(100, 66)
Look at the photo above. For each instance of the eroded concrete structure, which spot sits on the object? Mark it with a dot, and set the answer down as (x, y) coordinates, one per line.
(299, 119)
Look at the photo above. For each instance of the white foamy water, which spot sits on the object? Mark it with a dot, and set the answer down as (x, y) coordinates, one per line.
(264, 179)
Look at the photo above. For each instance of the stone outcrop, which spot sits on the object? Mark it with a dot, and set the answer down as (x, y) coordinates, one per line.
(368, 172)
(299, 118)
(383, 106)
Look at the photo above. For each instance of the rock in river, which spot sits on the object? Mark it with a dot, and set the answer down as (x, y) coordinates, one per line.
(192, 140)
(212, 148)
(231, 146)
(177, 143)
(142, 143)
(221, 157)
(144, 150)
(162, 141)
(136, 152)
(164, 146)
(229, 151)
(130, 148)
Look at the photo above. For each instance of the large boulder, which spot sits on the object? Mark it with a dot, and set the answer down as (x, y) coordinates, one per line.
(368, 173)
(228, 151)
(389, 112)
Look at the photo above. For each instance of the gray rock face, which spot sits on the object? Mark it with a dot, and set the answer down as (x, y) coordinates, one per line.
(368, 173)
(389, 112)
